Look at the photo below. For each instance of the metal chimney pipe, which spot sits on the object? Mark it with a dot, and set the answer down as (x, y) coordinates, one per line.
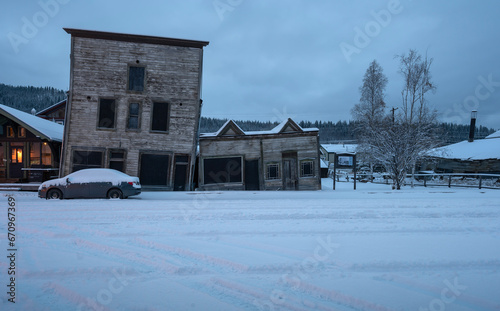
(472, 130)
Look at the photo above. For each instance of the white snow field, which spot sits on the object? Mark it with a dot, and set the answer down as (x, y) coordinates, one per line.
(369, 249)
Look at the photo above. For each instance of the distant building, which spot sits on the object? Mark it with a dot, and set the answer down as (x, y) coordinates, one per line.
(55, 113)
(284, 158)
(30, 147)
(134, 105)
(328, 151)
(478, 156)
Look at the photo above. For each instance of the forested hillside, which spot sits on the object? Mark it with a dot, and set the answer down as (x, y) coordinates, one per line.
(25, 98)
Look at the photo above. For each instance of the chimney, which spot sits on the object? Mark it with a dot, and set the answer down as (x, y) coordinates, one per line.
(472, 129)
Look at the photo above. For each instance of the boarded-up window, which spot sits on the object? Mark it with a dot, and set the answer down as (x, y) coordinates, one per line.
(83, 159)
(133, 116)
(106, 113)
(154, 169)
(159, 122)
(136, 76)
(306, 168)
(222, 170)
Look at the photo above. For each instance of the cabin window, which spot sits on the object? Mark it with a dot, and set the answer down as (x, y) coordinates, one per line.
(10, 132)
(17, 154)
(136, 76)
(117, 160)
(106, 113)
(21, 132)
(307, 168)
(35, 154)
(133, 116)
(222, 170)
(86, 159)
(273, 171)
(159, 119)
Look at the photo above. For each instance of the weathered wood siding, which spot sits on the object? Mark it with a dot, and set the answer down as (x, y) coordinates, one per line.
(99, 69)
(267, 149)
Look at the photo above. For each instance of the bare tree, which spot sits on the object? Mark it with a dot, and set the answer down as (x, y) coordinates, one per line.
(397, 141)
(370, 110)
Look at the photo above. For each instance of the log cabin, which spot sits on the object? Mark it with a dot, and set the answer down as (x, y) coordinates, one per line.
(284, 158)
(134, 105)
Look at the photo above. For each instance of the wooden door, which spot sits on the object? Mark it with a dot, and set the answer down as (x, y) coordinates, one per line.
(16, 160)
(290, 171)
(252, 175)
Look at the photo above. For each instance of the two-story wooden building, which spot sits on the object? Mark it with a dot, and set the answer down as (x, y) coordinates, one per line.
(134, 105)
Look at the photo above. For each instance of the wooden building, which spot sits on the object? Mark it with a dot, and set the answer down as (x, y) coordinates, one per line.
(284, 158)
(30, 147)
(134, 105)
(55, 113)
(476, 156)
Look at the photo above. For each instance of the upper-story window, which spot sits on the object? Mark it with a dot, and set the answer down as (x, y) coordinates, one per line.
(133, 116)
(159, 119)
(136, 75)
(106, 113)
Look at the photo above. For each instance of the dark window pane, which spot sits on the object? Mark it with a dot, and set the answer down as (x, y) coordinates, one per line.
(107, 113)
(154, 169)
(136, 78)
(117, 155)
(133, 123)
(307, 168)
(134, 109)
(222, 170)
(116, 165)
(180, 158)
(272, 171)
(86, 159)
(160, 117)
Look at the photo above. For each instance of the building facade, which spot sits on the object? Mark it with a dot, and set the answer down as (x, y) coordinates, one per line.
(30, 147)
(285, 158)
(134, 105)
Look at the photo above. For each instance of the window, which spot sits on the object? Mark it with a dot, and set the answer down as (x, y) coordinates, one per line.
(222, 170)
(117, 160)
(10, 132)
(273, 171)
(307, 168)
(106, 113)
(159, 119)
(154, 169)
(133, 116)
(46, 154)
(86, 159)
(136, 76)
(35, 155)
(17, 154)
(21, 132)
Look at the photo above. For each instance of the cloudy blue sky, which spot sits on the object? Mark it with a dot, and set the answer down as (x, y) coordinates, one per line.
(272, 59)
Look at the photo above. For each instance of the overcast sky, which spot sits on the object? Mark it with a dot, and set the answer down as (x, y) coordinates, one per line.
(272, 59)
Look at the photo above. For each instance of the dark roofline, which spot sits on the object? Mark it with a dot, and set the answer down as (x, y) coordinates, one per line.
(135, 38)
(51, 108)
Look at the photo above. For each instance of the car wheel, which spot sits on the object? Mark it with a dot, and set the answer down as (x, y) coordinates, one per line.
(54, 194)
(115, 194)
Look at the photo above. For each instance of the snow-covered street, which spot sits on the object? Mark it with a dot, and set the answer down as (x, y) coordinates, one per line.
(369, 249)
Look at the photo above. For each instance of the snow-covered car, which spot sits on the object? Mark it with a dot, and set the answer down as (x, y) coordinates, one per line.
(91, 183)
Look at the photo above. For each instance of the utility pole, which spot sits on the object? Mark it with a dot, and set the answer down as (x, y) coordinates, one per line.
(393, 110)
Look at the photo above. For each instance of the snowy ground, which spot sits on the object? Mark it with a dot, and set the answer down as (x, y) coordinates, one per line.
(369, 249)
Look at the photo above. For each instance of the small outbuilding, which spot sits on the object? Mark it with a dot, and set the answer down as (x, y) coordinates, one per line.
(284, 158)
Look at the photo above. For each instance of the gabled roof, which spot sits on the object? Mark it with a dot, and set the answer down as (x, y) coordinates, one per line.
(230, 128)
(52, 108)
(40, 127)
(340, 148)
(135, 38)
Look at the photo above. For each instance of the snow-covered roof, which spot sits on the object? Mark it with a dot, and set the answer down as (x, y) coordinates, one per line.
(40, 127)
(494, 135)
(323, 164)
(230, 128)
(50, 108)
(480, 149)
(340, 148)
